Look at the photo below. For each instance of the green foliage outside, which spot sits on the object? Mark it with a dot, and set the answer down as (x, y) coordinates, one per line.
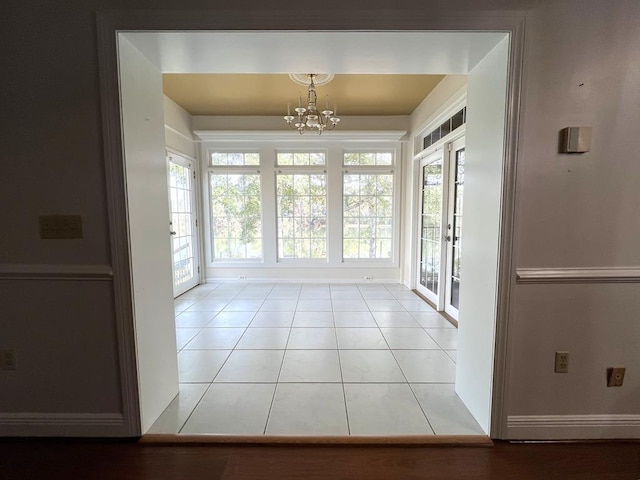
(235, 215)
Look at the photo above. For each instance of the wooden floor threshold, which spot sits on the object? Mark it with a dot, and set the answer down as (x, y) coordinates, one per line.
(317, 440)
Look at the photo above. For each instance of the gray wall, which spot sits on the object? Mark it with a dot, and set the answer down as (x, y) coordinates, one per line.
(572, 211)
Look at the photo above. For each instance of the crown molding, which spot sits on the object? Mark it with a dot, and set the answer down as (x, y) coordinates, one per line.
(294, 136)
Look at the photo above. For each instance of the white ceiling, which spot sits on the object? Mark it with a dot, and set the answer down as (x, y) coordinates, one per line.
(323, 52)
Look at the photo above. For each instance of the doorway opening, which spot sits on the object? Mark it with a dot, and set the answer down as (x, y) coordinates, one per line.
(491, 62)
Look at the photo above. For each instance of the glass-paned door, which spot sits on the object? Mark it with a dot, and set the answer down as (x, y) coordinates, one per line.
(432, 189)
(454, 227)
(183, 224)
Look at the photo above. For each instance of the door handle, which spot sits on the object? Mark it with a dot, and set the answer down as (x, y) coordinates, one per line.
(172, 232)
(446, 238)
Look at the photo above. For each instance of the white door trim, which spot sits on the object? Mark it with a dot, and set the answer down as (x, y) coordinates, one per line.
(448, 207)
(438, 155)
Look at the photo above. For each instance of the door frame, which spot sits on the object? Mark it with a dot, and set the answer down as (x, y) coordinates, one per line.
(438, 154)
(110, 23)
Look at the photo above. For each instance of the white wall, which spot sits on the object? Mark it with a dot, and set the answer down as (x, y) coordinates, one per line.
(432, 105)
(486, 96)
(177, 128)
(148, 208)
(485, 90)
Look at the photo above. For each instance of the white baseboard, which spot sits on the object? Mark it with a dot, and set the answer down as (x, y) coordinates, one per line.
(301, 280)
(572, 427)
(25, 424)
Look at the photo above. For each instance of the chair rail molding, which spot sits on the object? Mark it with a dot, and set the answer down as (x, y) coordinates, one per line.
(46, 271)
(578, 275)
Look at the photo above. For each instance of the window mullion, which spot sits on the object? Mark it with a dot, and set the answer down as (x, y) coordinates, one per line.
(334, 206)
(269, 214)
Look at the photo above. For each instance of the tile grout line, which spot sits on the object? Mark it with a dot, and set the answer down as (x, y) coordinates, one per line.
(344, 393)
(409, 385)
(196, 405)
(210, 383)
(284, 354)
(247, 326)
(286, 349)
(217, 373)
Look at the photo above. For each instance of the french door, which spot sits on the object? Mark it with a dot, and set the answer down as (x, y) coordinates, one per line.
(432, 189)
(440, 226)
(453, 235)
(183, 224)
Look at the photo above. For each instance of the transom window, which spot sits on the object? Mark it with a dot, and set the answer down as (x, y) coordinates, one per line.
(301, 159)
(368, 158)
(235, 158)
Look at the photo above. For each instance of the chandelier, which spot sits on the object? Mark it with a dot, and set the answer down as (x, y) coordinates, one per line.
(309, 118)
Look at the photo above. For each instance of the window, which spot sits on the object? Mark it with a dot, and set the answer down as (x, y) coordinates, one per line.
(368, 158)
(235, 158)
(368, 205)
(301, 198)
(301, 159)
(235, 206)
(300, 204)
(455, 121)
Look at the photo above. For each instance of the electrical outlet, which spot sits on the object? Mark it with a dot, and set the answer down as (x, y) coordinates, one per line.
(8, 359)
(562, 362)
(60, 226)
(615, 376)
(368, 277)
(242, 277)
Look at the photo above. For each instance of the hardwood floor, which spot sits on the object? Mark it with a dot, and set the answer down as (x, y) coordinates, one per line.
(74, 459)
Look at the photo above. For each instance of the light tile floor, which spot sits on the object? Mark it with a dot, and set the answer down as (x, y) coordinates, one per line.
(313, 359)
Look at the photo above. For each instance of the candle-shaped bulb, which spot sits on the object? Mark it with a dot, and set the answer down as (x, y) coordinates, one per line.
(335, 109)
(299, 100)
(289, 108)
(326, 102)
